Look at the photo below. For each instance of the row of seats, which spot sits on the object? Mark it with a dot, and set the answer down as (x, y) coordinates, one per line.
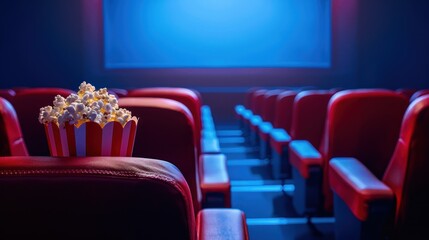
(357, 152)
(167, 130)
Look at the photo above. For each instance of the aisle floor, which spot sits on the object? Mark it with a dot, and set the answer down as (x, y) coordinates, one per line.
(266, 202)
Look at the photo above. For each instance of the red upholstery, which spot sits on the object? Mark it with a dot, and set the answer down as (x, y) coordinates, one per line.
(7, 94)
(11, 141)
(405, 181)
(406, 92)
(419, 94)
(363, 124)
(306, 116)
(231, 224)
(269, 105)
(268, 114)
(27, 104)
(258, 101)
(185, 96)
(283, 111)
(165, 131)
(407, 173)
(199, 96)
(303, 156)
(94, 198)
(249, 97)
(356, 185)
(309, 115)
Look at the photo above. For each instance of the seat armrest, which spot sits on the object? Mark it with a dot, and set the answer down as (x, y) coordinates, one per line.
(210, 145)
(280, 135)
(219, 224)
(264, 129)
(239, 109)
(255, 120)
(303, 156)
(247, 114)
(214, 177)
(279, 139)
(356, 185)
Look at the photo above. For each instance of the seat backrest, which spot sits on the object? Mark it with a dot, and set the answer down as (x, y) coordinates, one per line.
(27, 104)
(419, 94)
(256, 101)
(183, 95)
(248, 97)
(11, 141)
(93, 198)
(269, 105)
(7, 94)
(309, 115)
(407, 173)
(165, 131)
(284, 110)
(363, 124)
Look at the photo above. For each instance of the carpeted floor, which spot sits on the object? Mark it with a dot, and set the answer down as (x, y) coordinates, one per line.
(266, 202)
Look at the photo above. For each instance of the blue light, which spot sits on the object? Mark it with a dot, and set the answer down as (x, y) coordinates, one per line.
(216, 33)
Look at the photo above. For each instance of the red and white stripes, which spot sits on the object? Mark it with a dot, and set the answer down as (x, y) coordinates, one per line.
(90, 139)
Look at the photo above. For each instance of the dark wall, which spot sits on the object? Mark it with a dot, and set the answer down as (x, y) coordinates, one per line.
(59, 43)
(41, 43)
(393, 43)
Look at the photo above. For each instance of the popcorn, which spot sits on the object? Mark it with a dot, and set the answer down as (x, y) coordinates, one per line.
(88, 105)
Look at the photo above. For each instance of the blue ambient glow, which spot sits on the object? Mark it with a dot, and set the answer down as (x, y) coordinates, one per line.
(217, 33)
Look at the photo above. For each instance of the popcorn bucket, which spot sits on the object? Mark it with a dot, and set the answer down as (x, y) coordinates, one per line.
(91, 139)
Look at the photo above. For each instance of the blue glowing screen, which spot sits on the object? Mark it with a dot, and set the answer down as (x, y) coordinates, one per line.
(216, 33)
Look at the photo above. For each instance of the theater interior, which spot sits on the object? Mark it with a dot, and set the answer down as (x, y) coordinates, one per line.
(214, 119)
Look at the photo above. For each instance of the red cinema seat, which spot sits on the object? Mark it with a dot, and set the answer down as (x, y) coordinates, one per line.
(247, 115)
(265, 127)
(239, 109)
(419, 94)
(27, 103)
(394, 205)
(104, 198)
(11, 141)
(363, 124)
(7, 94)
(165, 131)
(251, 117)
(283, 111)
(183, 95)
(308, 122)
(281, 126)
(249, 97)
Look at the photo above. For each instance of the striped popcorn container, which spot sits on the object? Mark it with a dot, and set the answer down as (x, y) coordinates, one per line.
(90, 139)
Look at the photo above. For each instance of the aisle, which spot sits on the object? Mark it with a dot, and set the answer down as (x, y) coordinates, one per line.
(266, 202)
